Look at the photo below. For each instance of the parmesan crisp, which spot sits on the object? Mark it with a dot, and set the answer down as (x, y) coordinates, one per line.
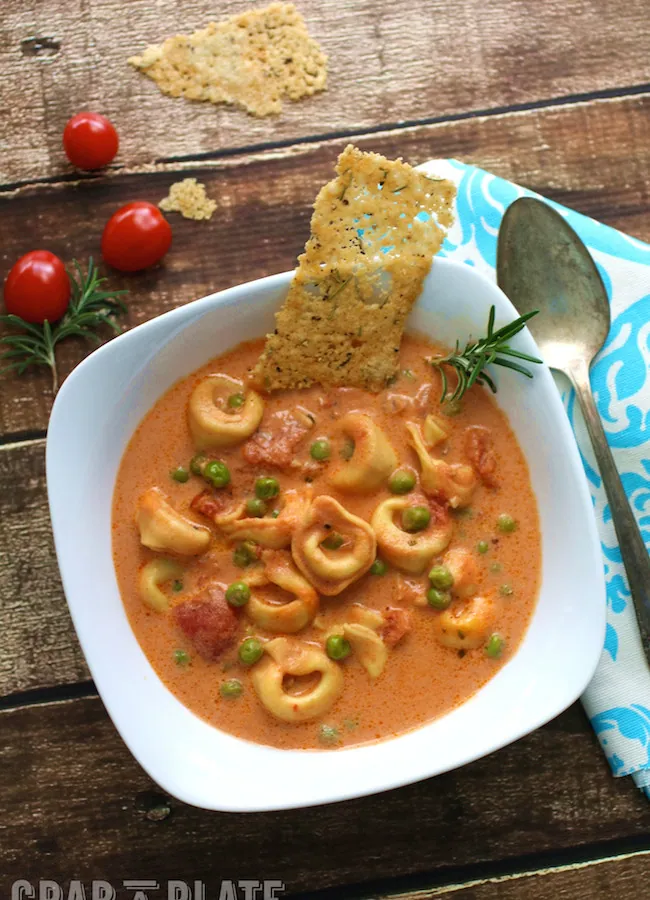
(374, 232)
(251, 60)
(188, 197)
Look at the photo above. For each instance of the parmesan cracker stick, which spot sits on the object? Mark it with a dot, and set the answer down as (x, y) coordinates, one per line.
(374, 232)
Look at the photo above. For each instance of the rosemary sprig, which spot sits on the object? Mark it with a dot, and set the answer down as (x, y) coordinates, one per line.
(90, 308)
(493, 349)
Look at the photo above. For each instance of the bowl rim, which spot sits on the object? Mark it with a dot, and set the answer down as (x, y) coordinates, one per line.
(183, 316)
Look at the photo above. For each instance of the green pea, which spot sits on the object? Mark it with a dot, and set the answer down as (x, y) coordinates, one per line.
(333, 541)
(197, 464)
(275, 513)
(328, 735)
(506, 523)
(495, 646)
(238, 593)
(441, 578)
(337, 647)
(505, 590)
(438, 599)
(320, 450)
(379, 567)
(181, 657)
(250, 651)
(401, 482)
(244, 554)
(255, 507)
(217, 473)
(415, 518)
(482, 547)
(231, 689)
(495, 567)
(180, 474)
(177, 586)
(236, 400)
(267, 488)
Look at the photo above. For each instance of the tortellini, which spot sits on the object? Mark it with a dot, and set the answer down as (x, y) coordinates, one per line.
(152, 576)
(289, 657)
(331, 571)
(372, 460)
(167, 531)
(266, 531)
(465, 571)
(455, 482)
(407, 551)
(368, 647)
(434, 431)
(466, 625)
(214, 425)
(287, 617)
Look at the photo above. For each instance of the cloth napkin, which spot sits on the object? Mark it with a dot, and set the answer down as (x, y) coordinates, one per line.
(618, 699)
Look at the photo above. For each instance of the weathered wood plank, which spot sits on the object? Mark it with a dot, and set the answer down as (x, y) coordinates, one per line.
(40, 648)
(388, 64)
(625, 877)
(592, 156)
(75, 800)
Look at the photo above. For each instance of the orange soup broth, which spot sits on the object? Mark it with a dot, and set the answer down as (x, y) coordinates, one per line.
(422, 679)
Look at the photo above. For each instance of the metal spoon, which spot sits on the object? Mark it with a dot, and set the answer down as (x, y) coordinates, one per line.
(542, 264)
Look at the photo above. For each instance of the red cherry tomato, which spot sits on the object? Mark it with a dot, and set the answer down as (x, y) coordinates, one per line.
(37, 288)
(90, 141)
(135, 237)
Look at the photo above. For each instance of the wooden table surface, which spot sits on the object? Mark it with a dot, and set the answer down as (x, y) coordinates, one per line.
(554, 95)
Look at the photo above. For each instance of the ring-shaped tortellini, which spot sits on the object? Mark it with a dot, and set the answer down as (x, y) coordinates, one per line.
(407, 551)
(283, 618)
(372, 460)
(151, 578)
(266, 531)
(455, 482)
(331, 571)
(215, 426)
(290, 657)
(167, 531)
(466, 624)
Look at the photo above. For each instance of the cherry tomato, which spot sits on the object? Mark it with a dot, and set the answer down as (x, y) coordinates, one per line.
(135, 237)
(37, 288)
(90, 141)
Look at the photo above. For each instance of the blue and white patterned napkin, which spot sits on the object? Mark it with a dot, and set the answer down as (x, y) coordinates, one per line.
(618, 699)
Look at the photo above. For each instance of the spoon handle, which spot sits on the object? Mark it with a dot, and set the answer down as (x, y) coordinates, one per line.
(633, 550)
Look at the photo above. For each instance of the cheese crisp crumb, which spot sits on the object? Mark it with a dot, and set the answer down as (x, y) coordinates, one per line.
(374, 232)
(251, 60)
(188, 197)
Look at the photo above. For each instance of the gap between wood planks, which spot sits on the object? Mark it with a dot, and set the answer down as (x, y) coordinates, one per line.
(253, 151)
(454, 881)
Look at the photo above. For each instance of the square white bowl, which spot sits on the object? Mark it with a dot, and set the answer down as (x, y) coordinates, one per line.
(94, 416)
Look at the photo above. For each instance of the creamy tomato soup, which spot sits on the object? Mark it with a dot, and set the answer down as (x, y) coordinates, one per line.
(335, 566)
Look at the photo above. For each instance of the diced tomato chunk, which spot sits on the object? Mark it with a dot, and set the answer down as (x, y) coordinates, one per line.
(276, 447)
(397, 624)
(208, 621)
(209, 504)
(479, 448)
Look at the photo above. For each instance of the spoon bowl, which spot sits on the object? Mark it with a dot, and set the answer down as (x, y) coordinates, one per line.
(542, 264)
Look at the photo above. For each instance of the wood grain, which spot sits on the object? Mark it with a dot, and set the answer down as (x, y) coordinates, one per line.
(78, 803)
(388, 64)
(623, 877)
(594, 157)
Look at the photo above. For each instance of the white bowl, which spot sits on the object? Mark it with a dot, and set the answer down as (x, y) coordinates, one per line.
(93, 418)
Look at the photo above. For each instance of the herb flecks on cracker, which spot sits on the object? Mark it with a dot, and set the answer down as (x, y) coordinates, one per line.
(188, 197)
(374, 232)
(251, 60)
